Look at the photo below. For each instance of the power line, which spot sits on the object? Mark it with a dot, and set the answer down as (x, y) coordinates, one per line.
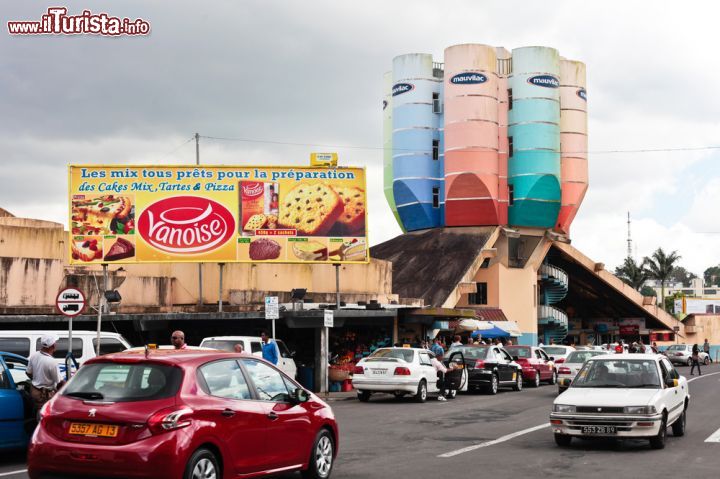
(380, 148)
(177, 148)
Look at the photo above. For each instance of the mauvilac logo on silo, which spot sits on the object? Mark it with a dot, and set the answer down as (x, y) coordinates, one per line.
(547, 81)
(468, 78)
(400, 88)
(582, 94)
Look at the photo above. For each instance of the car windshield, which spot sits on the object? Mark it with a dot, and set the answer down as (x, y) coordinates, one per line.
(472, 352)
(582, 356)
(124, 382)
(519, 351)
(676, 347)
(221, 344)
(551, 350)
(622, 373)
(382, 354)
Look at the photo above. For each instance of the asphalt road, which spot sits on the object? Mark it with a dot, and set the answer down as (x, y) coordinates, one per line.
(391, 438)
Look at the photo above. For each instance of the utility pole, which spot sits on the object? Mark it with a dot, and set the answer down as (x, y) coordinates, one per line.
(629, 239)
(200, 266)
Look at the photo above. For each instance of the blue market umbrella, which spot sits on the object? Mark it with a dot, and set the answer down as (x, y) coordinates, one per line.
(491, 333)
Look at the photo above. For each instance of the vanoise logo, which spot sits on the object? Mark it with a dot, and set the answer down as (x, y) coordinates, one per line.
(582, 94)
(186, 225)
(400, 88)
(468, 78)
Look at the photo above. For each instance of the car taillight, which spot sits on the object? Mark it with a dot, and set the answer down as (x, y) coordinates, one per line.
(564, 370)
(479, 364)
(559, 360)
(678, 354)
(45, 411)
(402, 371)
(169, 419)
(358, 370)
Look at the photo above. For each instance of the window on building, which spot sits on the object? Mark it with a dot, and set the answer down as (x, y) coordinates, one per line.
(509, 98)
(510, 146)
(435, 149)
(511, 194)
(437, 106)
(480, 294)
(485, 263)
(436, 197)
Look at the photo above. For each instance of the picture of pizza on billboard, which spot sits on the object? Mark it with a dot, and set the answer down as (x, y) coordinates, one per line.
(323, 209)
(258, 207)
(102, 215)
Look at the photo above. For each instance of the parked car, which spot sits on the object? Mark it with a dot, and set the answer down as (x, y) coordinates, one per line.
(253, 344)
(682, 354)
(182, 414)
(558, 353)
(536, 365)
(16, 409)
(622, 396)
(489, 368)
(24, 343)
(398, 371)
(569, 369)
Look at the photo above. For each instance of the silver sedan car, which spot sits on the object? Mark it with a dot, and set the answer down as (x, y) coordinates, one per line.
(682, 354)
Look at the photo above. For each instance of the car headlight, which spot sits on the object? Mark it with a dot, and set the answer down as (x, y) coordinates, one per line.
(639, 410)
(563, 408)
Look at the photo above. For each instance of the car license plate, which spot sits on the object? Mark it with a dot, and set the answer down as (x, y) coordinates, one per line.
(378, 371)
(99, 430)
(599, 430)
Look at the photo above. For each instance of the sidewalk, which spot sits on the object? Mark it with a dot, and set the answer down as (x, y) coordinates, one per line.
(339, 396)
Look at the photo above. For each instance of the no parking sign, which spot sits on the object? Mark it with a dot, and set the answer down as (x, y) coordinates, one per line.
(70, 302)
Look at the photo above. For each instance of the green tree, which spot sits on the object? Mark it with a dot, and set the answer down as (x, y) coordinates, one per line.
(681, 275)
(712, 276)
(660, 266)
(647, 291)
(633, 273)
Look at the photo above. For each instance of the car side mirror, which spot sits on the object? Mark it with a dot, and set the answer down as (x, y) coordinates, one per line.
(552, 358)
(300, 396)
(671, 383)
(515, 358)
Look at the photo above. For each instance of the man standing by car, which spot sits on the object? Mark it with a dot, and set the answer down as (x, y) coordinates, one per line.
(269, 348)
(43, 371)
(437, 348)
(706, 349)
(178, 340)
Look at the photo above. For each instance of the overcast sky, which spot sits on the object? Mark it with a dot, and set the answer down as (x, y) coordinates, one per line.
(311, 73)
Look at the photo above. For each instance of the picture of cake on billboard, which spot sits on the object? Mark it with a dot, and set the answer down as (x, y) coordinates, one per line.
(258, 207)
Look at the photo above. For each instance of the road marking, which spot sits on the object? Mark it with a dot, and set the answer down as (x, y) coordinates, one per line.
(12, 473)
(714, 437)
(495, 441)
(703, 376)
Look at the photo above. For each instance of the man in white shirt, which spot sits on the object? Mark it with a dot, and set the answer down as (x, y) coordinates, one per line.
(42, 369)
(441, 370)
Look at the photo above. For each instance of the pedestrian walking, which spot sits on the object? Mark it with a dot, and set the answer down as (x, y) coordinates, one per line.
(695, 360)
(178, 340)
(437, 348)
(706, 349)
(42, 369)
(269, 348)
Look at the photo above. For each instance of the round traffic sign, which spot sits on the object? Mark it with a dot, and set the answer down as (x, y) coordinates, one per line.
(70, 302)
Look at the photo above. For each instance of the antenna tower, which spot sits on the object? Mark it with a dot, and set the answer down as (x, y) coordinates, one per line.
(629, 239)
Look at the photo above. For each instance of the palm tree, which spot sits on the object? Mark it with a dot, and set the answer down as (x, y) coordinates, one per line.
(660, 266)
(633, 273)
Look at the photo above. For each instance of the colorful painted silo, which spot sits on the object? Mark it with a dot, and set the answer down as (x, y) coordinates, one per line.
(387, 146)
(417, 169)
(534, 137)
(573, 141)
(504, 67)
(471, 135)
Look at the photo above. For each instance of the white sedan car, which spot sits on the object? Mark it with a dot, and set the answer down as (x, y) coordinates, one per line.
(558, 353)
(569, 369)
(622, 396)
(398, 371)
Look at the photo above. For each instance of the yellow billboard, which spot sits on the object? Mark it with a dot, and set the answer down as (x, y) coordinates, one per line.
(250, 214)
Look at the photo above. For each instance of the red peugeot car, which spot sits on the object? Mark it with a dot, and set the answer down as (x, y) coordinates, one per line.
(536, 365)
(182, 414)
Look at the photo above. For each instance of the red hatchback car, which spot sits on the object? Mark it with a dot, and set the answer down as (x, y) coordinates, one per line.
(182, 414)
(536, 365)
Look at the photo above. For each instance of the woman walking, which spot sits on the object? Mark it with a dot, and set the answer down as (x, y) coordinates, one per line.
(695, 360)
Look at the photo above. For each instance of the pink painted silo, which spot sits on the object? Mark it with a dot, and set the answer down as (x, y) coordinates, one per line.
(504, 68)
(573, 141)
(471, 136)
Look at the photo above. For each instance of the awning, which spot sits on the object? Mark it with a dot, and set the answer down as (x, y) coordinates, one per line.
(493, 332)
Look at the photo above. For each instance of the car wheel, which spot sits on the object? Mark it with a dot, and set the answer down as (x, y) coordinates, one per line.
(553, 378)
(493, 387)
(321, 458)
(452, 393)
(364, 396)
(536, 381)
(678, 426)
(421, 394)
(563, 440)
(202, 465)
(658, 442)
(518, 382)
(707, 361)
